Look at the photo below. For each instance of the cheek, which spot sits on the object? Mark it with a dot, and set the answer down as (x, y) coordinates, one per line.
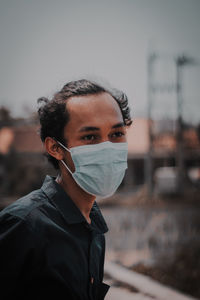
(69, 162)
(123, 138)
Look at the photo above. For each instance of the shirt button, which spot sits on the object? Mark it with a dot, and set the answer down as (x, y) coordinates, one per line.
(92, 280)
(88, 227)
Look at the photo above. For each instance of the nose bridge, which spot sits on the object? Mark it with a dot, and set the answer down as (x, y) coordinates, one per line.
(105, 137)
(105, 134)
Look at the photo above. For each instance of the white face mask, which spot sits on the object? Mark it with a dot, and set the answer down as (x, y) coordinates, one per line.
(99, 168)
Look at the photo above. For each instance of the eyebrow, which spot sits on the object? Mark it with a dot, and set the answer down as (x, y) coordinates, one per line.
(92, 128)
(121, 124)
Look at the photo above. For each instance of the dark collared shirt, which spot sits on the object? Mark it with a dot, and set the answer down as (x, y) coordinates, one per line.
(47, 248)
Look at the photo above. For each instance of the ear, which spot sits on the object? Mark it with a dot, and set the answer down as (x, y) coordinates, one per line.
(53, 148)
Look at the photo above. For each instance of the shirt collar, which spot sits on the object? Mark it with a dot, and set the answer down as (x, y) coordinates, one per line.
(67, 207)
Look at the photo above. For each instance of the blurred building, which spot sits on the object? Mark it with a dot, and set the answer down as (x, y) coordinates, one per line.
(164, 150)
(23, 165)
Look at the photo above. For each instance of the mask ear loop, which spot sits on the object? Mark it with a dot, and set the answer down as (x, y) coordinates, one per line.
(66, 166)
(62, 159)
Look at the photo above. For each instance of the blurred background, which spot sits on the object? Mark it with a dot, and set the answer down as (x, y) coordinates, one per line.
(150, 49)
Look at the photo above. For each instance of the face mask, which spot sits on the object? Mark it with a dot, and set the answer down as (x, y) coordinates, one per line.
(99, 168)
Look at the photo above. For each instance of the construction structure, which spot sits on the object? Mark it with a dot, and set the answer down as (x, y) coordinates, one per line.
(175, 88)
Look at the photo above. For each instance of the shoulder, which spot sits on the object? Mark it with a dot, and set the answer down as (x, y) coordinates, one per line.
(19, 232)
(26, 212)
(22, 207)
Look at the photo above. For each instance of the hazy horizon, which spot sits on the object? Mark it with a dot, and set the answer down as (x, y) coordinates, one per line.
(45, 44)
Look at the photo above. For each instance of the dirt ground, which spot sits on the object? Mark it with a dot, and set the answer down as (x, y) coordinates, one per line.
(160, 240)
(182, 273)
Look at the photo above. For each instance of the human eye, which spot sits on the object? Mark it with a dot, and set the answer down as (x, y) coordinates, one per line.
(89, 137)
(117, 134)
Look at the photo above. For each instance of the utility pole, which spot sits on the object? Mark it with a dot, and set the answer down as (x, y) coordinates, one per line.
(179, 135)
(180, 61)
(153, 89)
(149, 156)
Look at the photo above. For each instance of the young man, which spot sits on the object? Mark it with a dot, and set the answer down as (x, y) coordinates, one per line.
(52, 241)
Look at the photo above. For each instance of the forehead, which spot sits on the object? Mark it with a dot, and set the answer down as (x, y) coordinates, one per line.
(93, 109)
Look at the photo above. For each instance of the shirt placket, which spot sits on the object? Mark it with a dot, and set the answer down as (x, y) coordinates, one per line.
(91, 267)
(92, 282)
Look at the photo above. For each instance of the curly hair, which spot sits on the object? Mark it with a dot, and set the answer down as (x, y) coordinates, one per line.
(53, 114)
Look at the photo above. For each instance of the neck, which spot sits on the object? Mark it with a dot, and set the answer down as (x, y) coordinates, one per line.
(82, 200)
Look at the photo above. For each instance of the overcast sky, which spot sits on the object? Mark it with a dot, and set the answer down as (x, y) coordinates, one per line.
(46, 43)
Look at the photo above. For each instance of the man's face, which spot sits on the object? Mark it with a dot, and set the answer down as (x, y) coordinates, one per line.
(93, 119)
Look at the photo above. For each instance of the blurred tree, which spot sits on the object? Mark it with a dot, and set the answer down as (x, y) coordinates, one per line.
(198, 131)
(5, 116)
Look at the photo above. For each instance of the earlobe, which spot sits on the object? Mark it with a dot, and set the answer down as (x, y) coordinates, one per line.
(53, 148)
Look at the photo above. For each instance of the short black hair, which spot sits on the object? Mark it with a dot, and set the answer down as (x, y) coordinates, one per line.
(53, 114)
